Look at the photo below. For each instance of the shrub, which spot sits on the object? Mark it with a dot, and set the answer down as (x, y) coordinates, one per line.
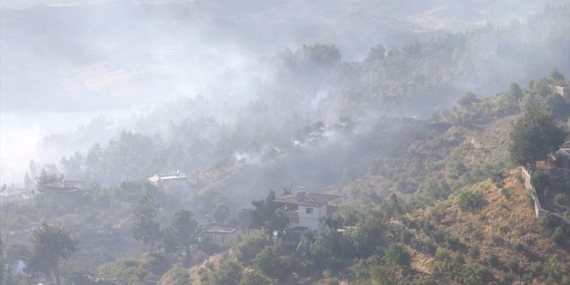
(548, 221)
(470, 201)
(493, 260)
(270, 264)
(474, 251)
(203, 273)
(229, 273)
(559, 200)
(520, 177)
(477, 275)
(177, 276)
(507, 277)
(540, 180)
(496, 240)
(255, 278)
(513, 264)
(558, 237)
(519, 246)
(250, 246)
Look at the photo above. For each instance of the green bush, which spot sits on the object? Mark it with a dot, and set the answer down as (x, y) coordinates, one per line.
(548, 221)
(177, 276)
(470, 201)
(255, 278)
(513, 264)
(229, 273)
(250, 246)
(477, 275)
(540, 180)
(474, 251)
(270, 264)
(558, 237)
(493, 260)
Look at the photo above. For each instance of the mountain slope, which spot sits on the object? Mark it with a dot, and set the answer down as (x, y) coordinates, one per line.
(503, 235)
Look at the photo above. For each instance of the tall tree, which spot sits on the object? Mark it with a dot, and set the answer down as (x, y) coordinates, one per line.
(556, 76)
(533, 136)
(221, 213)
(468, 99)
(181, 233)
(44, 179)
(145, 228)
(263, 216)
(50, 245)
(245, 218)
(515, 92)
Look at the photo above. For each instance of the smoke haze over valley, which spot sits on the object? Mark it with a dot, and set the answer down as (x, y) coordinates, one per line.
(274, 142)
(67, 62)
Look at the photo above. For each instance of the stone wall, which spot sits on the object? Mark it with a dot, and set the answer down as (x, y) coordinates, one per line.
(539, 211)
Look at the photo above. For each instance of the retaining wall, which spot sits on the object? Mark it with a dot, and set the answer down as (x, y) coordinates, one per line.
(539, 211)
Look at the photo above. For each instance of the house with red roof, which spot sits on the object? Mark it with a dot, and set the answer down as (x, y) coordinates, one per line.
(306, 211)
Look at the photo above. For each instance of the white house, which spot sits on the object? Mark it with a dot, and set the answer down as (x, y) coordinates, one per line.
(168, 178)
(306, 211)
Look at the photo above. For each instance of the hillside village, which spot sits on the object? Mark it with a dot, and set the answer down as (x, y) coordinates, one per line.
(378, 168)
(348, 236)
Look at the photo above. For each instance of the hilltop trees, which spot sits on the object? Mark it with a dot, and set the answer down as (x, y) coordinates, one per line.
(44, 179)
(533, 137)
(50, 245)
(468, 99)
(556, 76)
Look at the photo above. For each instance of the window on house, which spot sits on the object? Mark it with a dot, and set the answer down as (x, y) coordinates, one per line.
(309, 210)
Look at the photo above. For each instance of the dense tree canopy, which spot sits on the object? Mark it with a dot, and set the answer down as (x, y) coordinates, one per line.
(50, 245)
(533, 136)
(181, 233)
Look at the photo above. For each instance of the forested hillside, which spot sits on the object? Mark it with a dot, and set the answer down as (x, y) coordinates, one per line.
(284, 88)
(420, 144)
(388, 233)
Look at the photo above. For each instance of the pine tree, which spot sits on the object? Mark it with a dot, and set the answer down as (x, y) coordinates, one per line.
(181, 233)
(50, 245)
(145, 228)
(534, 135)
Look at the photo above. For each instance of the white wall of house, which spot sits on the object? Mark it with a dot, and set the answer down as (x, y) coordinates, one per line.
(313, 218)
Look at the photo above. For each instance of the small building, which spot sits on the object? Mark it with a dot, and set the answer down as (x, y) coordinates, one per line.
(65, 184)
(15, 195)
(220, 234)
(562, 90)
(306, 211)
(168, 178)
